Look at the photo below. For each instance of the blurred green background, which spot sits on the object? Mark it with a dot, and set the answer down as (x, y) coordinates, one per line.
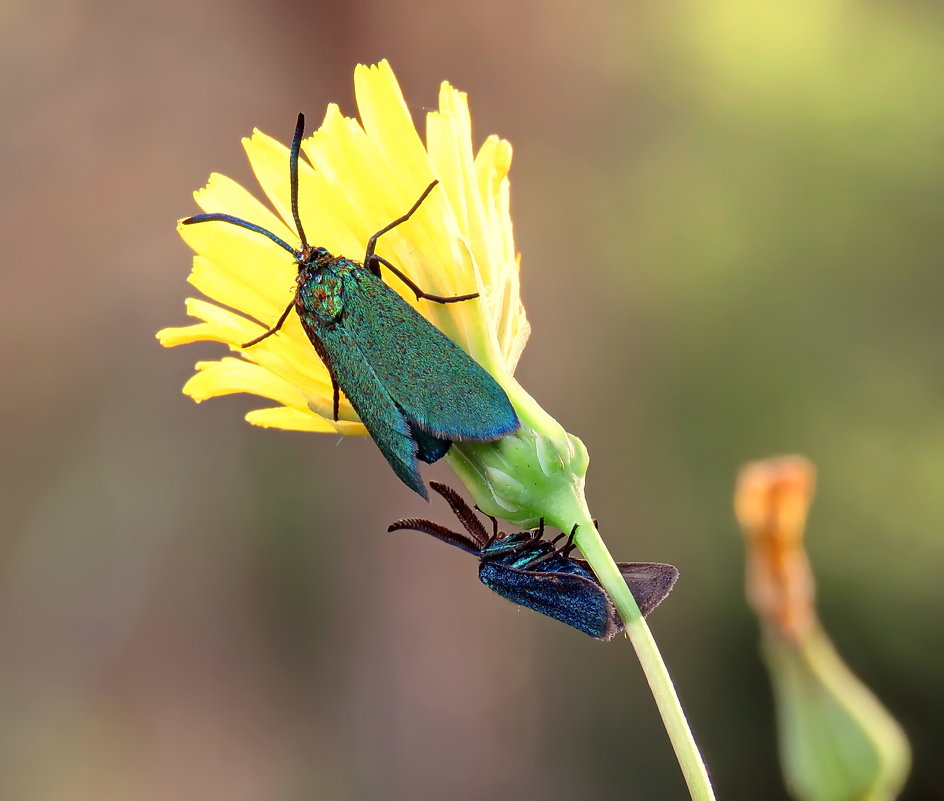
(732, 230)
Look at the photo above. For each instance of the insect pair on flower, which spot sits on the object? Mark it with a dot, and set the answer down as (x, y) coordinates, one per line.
(417, 392)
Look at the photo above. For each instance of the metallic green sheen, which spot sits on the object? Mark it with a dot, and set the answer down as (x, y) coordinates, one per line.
(414, 389)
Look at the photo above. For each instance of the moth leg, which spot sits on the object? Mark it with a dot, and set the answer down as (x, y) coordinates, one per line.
(272, 330)
(544, 557)
(376, 260)
(372, 242)
(569, 546)
(519, 547)
(336, 391)
(490, 517)
(552, 551)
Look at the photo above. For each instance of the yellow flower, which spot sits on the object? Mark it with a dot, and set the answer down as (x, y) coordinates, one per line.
(360, 176)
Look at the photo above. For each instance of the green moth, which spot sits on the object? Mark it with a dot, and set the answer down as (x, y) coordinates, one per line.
(414, 389)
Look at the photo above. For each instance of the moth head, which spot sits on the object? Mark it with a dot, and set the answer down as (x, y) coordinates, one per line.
(310, 258)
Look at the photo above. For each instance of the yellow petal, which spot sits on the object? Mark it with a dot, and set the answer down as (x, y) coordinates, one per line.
(387, 121)
(221, 325)
(358, 177)
(324, 222)
(350, 164)
(229, 376)
(293, 420)
(223, 194)
(262, 300)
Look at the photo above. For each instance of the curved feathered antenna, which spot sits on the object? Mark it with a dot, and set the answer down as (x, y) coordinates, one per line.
(464, 512)
(474, 542)
(439, 532)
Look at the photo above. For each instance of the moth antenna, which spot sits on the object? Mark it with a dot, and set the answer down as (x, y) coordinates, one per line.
(569, 546)
(229, 218)
(439, 532)
(464, 512)
(293, 176)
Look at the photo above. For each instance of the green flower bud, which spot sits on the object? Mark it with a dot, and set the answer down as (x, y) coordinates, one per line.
(837, 742)
(538, 471)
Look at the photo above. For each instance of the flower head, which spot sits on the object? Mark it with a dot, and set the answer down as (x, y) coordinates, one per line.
(360, 175)
(771, 502)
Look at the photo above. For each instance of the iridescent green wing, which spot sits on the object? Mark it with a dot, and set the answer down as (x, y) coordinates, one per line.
(438, 386)
(378, 411)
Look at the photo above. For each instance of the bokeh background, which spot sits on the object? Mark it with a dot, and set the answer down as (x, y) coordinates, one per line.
(731, 221)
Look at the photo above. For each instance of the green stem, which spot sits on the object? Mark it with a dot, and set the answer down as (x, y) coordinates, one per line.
(536, 472)
(660, 683)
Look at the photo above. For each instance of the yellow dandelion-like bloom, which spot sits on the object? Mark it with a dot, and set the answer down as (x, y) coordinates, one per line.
(360, 175)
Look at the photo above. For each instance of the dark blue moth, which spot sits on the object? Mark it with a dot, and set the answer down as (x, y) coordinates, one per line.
(534, 572)
(414, 389)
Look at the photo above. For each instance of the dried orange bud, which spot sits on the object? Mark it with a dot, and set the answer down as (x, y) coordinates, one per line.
(837, 742)
(771, 503)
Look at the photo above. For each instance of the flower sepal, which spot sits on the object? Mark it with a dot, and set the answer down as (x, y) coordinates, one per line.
(538, 471)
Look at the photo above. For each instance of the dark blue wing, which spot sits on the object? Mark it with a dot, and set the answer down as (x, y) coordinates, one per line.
(429, 449)
(438, 386)
(649, 582)
(576, 600)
